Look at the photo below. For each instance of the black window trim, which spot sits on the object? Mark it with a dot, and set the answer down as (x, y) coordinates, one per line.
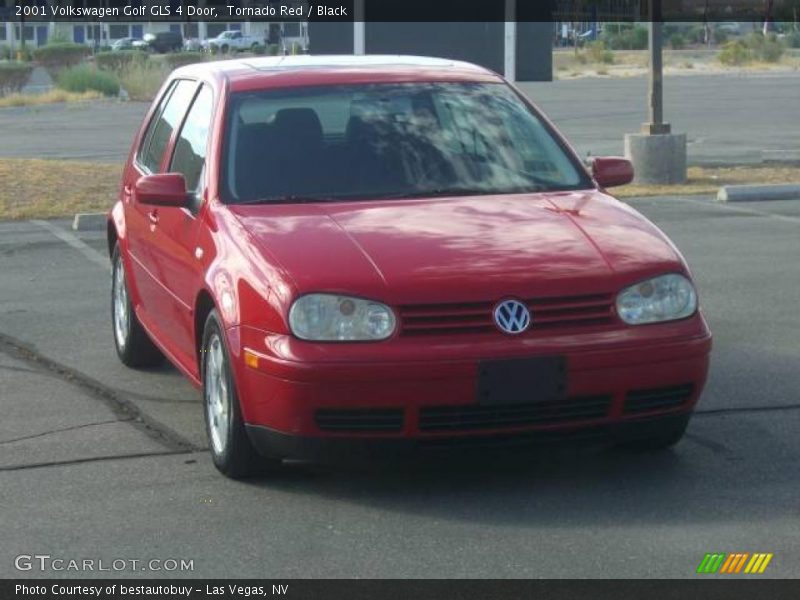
(165, 98)
(197, 194)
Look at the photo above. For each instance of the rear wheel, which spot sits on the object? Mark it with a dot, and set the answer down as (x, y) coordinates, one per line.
(231, 449)
(133, 345)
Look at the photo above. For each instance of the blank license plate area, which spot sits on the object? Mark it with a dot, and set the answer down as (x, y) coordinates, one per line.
(522, 381)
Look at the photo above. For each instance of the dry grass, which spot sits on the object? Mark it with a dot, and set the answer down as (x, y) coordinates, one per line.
(631, 63)
(51, 97)
(707, 180)
(35, 188)
(142, 81)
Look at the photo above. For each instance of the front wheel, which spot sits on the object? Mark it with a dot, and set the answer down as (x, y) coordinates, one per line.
(231, 449)
(133, 345)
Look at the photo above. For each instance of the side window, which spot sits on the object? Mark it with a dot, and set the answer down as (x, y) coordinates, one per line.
(165, 124)
(148, 135)
(190, 149)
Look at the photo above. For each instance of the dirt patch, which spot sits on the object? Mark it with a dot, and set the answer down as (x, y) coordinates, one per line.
(707, 180)
(37, 188)
(53, 96)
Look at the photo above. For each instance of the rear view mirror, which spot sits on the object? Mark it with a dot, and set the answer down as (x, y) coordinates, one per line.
(162, 189)
(610, 171)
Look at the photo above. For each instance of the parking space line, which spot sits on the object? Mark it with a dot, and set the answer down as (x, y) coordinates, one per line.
(739, 209)
(75, 242)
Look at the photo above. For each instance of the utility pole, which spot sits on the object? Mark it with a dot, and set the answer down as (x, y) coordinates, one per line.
(658, 155)
(655, 94)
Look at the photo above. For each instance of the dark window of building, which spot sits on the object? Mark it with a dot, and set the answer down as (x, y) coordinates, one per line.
(116, 32)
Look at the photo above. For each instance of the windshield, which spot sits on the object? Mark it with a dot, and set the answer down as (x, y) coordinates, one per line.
(389, 141)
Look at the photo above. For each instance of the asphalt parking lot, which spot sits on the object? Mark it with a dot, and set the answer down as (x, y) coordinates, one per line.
(100, 461)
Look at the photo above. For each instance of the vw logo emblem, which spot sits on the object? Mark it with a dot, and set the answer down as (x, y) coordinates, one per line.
(512, 316)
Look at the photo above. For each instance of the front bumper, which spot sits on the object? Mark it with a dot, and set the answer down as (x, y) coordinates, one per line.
(401, 382)
(333, 448)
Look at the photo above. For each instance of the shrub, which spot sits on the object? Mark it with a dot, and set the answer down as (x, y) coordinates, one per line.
(24, 54)
(273, 50)
(598, 52)
(696, 34)
(116, 61)
(767, 48)
(5, 52)
(85, 78)
(57, 57)
(179, 59)
(142, 80)
(677, 41)
(793, 39)
(720, 37)
(628, 38)
(259, 50)
(772, 49)
(13, 76)
(734, 54)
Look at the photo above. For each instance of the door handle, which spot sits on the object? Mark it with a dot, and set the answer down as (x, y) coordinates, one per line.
(127, 193)
(152, 216)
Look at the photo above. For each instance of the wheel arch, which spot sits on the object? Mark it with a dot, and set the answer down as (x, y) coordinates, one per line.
(203, 305)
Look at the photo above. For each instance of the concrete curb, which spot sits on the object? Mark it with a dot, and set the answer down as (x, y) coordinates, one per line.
(89, 222)
(750, 193)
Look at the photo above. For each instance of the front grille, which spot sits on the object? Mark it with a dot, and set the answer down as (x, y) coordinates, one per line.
(657, 399)
(359, 420)
(476, 317)
(471, 417)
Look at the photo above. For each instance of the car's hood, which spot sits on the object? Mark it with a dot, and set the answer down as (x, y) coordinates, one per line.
(462, 249)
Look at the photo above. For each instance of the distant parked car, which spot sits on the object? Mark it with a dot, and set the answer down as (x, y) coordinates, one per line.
(232, 41)
(164, 41)
(127, 43)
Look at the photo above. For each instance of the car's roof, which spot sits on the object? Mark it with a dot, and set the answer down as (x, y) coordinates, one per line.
(303, 70)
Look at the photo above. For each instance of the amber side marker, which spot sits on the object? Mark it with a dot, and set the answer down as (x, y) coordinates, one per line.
(250, 359)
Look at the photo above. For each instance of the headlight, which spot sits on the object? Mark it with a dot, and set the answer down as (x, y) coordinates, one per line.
(664, 298)
(327, 317)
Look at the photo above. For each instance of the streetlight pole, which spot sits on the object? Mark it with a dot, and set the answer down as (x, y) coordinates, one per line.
(658, 155)
(655, 96)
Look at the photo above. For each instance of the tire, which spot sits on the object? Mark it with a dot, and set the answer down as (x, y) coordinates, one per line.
(134, 347)
(662, 439)
(224, 49)
(231, 449)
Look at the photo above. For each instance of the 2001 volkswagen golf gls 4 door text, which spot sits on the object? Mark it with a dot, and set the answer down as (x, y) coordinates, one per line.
(393, 251)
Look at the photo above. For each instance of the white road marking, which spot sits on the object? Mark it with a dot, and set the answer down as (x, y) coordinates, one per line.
(738, 209)
(75, 242)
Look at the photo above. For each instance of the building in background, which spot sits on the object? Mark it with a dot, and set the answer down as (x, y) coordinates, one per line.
(104, 34)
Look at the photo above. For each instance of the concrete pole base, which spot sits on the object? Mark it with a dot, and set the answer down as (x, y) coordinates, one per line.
(657, 158)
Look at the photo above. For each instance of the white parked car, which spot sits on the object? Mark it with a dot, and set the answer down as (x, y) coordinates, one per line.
(232, 41)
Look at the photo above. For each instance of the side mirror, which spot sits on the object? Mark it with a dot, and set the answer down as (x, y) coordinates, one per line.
(162, 189)
(610, 171)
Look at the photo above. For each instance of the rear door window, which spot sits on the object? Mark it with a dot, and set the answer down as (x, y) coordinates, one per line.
(190, 148)
(162, 127)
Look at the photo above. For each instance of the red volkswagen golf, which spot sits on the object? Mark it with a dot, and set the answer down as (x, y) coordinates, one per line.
(353, 252)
